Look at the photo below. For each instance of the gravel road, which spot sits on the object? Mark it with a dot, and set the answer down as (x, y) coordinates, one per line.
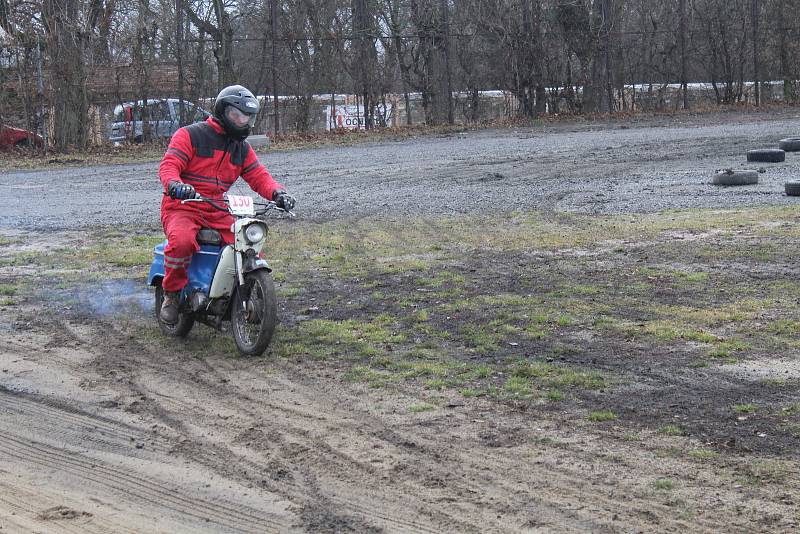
(646, 165)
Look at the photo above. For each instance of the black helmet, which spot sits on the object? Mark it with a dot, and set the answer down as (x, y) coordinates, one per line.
(239, 98)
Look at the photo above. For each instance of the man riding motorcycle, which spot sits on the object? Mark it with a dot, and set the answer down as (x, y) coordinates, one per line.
(207, 158)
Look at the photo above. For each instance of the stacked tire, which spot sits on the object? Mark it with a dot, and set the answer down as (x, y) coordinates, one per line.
(790, 144)
(767, 155)
(731, 177)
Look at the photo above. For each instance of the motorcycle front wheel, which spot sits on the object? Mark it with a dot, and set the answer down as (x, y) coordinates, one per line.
(253, 318)
(181, 328)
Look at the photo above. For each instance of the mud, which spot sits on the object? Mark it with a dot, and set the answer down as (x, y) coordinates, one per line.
(108, 427)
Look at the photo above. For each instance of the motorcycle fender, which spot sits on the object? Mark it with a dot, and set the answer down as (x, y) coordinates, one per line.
(157, 267)
(253, 263)
(225, 275)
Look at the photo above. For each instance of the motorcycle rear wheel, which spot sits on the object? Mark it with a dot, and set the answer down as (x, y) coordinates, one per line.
(181, 328)
(253, 320)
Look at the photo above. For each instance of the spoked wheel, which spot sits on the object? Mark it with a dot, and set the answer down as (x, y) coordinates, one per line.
(181, 328)
(254, 313)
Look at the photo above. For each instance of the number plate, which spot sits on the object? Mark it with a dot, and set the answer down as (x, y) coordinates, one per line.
(241, 205)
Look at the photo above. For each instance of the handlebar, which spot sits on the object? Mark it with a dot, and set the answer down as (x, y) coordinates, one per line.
(267, 206)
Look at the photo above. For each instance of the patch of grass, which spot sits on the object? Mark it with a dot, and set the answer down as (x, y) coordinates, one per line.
(441, 279)
(784, 327)
(8, 290)
(476, 372)
(664, 330)
(691, 276)
(745, 408)
(288, 292)
(664, 484)
(576, 290)
(667, 331)
(374, 378)
(420, 316)
(7, 301)
(5, 241)
(669, 452)
(766, 472)
(560, 376)
(472, 392)
(791, 410)
(121, 250)
(479, 338)
(419, 408)
(703, 453)
(724, 349)
(671, 430)
(437, 384)
(405, 264)
(601, 416)
(555, 395)
(517, 386)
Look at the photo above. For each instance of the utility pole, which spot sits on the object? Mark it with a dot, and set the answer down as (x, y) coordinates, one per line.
(274, 16)
(756, 74)
(684, 85)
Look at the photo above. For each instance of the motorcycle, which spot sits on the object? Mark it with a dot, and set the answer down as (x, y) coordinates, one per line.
(226, 282)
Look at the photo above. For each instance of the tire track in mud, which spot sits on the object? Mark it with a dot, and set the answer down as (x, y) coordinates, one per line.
(28, 513)
(308, 465)
(129, 484)
(317, 464)
(73, 423)
(316, 460)
(314, 452)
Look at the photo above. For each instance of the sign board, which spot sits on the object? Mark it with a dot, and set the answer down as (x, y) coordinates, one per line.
(351, 116)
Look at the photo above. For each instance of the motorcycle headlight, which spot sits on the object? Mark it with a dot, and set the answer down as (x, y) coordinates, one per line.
(254, 233)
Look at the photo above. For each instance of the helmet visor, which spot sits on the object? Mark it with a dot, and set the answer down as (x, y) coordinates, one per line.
(239, 118)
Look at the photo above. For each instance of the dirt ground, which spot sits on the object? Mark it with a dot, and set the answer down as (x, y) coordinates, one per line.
(568, 358)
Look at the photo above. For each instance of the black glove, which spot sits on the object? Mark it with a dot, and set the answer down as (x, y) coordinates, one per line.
(180, 190)
(283, 200)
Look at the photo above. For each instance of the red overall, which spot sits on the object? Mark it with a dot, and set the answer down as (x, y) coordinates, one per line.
(203, 156)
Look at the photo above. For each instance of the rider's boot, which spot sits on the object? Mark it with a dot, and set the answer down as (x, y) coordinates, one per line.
(169, 308)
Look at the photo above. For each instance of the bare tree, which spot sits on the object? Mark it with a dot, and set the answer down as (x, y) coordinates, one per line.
(222, 33)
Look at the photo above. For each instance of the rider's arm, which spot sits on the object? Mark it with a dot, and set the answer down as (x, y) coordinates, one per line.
(258, 178)
(177, 157)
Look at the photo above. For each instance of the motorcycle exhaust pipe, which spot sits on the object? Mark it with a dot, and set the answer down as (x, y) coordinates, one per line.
(198, 301)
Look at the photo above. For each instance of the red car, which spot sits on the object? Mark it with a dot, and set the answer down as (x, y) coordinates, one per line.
(11, 137)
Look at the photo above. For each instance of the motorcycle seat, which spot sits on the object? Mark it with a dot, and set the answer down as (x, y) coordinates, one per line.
(207, 236)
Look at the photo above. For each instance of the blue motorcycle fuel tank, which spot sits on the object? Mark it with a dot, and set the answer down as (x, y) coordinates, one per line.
(201, 269)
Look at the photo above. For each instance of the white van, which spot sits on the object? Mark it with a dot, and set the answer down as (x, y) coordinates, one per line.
(162, 118)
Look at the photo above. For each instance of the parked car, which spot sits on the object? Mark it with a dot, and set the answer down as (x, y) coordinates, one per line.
(161, 115)
(17, 137)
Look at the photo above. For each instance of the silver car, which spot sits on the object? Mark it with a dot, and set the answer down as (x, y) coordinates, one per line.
(162, 119)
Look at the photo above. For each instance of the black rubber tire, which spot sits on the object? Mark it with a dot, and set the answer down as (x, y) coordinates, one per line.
(790, 144)
(769, 155)
(179, 329)
(793, 188)
(260, 313)
(731, 177)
